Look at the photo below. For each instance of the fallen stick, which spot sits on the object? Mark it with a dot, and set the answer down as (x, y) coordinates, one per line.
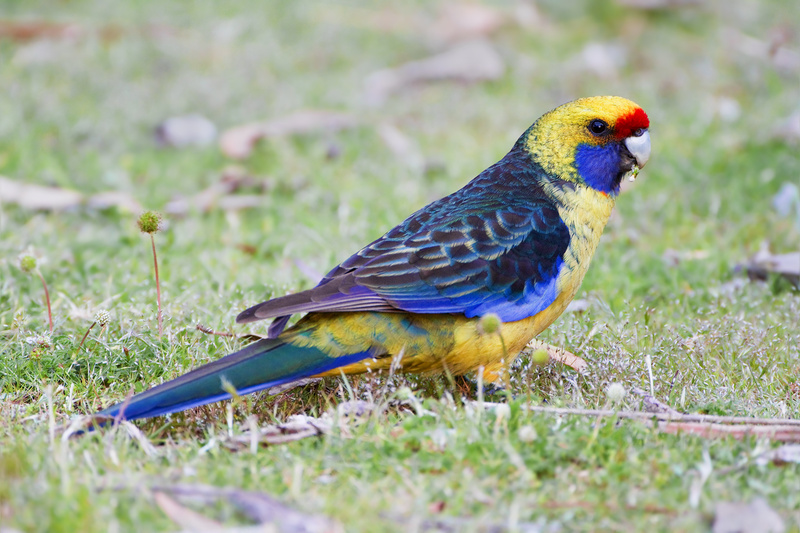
(644, 415)
(708, 426)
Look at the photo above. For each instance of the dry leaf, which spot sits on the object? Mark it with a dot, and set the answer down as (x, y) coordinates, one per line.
(401, 145)
(187, 130)
(604, 60)
(185, 517)
(470, 61)
(259, 507)
(764, 262)
(653, 404)
(782, 455)
(31, 196)
(560, 355)
(754, 517)
(238, 142)
(578, 306)
(789, 130)
(781, 57)
(218, 194)
(118, 199)
(527, 15)
(238, 202)
(437, 506)
(29, 30)
(787, 199)
(659, 4)
(295, 428)
(42, 53)
(356, 408)
(459, 21)
(675, 257)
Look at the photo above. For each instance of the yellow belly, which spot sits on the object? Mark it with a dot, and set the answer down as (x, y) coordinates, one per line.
(422, 343)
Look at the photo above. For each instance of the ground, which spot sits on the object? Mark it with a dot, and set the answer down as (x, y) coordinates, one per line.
(84, 87)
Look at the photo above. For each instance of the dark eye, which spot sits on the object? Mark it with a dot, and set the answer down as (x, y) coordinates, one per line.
(639, 132)
(597, 127)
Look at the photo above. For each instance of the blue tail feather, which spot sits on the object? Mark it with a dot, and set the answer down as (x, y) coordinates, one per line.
(258, 366)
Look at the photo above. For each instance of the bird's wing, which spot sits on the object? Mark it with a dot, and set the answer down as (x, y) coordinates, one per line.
(481, 250)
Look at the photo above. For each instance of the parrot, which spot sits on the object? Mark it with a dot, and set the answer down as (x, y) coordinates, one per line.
(514, 243)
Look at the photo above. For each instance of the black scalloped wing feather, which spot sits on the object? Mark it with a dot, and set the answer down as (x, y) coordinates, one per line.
(496, 245)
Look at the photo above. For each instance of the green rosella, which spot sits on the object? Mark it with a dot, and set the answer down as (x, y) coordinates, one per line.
(516, 241)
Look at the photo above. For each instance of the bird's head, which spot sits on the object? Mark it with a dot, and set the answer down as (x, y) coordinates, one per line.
(595, 141)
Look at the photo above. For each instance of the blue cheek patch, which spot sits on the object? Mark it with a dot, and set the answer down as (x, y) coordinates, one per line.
(599, 166)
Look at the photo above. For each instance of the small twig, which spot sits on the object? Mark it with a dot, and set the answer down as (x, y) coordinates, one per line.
(46, 299)
(783, 433)
(707, 426)
(667, 417)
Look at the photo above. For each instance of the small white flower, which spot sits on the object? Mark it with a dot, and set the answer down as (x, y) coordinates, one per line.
(527, 434)
(616, 392)
(502, 411)
(102, 317)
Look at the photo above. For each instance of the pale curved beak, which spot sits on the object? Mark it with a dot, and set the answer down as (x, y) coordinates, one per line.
(639, 147)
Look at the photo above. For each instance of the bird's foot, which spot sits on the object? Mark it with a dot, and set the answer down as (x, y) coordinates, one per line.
(469, 387)
(495, 391)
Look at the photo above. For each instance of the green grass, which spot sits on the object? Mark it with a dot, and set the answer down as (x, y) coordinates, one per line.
(79, 114)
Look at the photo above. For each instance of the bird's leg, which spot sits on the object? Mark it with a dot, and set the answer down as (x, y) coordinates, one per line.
(468, 387)
(496, 374)
(560, 355)
(496, 379)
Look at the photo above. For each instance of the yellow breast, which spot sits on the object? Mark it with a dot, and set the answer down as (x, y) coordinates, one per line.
(585, 211)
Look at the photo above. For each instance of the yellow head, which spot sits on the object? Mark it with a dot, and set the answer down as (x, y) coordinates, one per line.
(594, 141)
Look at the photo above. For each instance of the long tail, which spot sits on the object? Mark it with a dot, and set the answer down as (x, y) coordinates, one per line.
(263, 364)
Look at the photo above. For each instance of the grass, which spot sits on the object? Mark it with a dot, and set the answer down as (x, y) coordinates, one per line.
(78, 113)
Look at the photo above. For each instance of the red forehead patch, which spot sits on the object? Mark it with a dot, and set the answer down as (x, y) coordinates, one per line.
(631, 122)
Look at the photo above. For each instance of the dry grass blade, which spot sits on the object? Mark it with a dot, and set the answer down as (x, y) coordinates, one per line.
(136, 434)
